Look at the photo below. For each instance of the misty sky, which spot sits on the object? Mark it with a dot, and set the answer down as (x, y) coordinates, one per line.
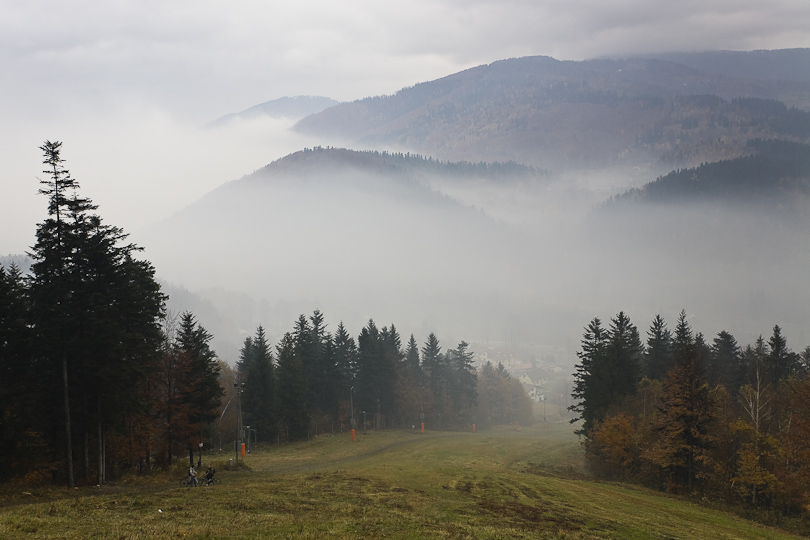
(126, 85)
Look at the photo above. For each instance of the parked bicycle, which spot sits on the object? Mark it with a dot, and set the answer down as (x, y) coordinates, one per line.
(190, 481)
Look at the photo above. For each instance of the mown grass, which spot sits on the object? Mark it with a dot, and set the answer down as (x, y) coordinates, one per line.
(490, 485)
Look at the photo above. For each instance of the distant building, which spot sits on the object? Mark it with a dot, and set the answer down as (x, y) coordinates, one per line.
(533, 386)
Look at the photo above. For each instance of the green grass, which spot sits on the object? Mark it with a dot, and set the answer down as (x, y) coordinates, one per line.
(490, 485)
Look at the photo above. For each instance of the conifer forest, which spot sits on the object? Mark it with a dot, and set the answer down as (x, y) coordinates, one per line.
(98, 379)
(679, 413)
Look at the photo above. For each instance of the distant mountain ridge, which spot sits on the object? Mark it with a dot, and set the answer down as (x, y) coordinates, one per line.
(775, 172)
(337, 160)
(286, 107)
(773, 65)
(564, 115)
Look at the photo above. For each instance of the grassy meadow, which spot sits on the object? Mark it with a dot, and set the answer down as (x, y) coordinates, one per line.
(495, 484)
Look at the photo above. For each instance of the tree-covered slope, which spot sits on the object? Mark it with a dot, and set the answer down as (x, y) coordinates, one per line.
(774, 171)
(563, 114)
(342, 231)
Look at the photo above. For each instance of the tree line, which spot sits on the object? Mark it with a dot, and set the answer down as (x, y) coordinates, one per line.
(97, 378)
(678, 413)
(773, 170)
(315, 381)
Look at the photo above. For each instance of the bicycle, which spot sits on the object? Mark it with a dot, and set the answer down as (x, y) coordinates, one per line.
(188, 481)
(213, 482)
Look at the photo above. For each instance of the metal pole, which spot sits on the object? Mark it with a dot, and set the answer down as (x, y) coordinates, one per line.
(351, 405)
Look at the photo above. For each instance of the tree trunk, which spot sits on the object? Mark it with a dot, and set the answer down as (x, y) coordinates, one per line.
(100, 475)
(86, 450)
(68, 434)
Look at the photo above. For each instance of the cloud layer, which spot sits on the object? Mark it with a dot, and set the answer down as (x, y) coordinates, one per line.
(126, 84)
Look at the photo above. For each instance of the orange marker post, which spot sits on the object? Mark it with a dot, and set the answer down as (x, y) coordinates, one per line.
(243, 449)
(353, 435)
(423, 427)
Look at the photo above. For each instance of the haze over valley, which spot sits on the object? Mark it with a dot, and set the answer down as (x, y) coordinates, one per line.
(480, 205)
(520, 251)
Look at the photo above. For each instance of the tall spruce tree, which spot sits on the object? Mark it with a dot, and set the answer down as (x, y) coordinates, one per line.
(724, 366)
(205, 391)
(687, 409)
(292, 405)
(412, 356)
(387, 374)
(435, 367)
(608, 372)
(367, 390)
(658, 355)
(344, 358)
(623, 352)
(258, 396)
(463, 385)
(323, 371)
(589, 404)
(96, 312)
(781, 362)
(245, 358)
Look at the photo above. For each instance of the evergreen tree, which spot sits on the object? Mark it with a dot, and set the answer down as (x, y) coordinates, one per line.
(96, 311)
(412, 356)
(16, 377)
(609, 369)
(437, 372)
(781, 362)
(589, 404)
(205, 392)
(804, 361)
(683, 338)
(658, 356)
(245, 358)
(463, 386)
(258, 397)
(345, 357)
(410, 385)
(369, 386)
(387, 374)
(724, 363)
(687, 410)
(325, 372)
(491, 406)
(292, 402)
(171, 384)
(431, 353)
(306, 349)
(622, 366)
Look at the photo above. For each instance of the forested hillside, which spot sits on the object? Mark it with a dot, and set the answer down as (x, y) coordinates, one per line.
(774, 173)
(339, 230)
(573, 115)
